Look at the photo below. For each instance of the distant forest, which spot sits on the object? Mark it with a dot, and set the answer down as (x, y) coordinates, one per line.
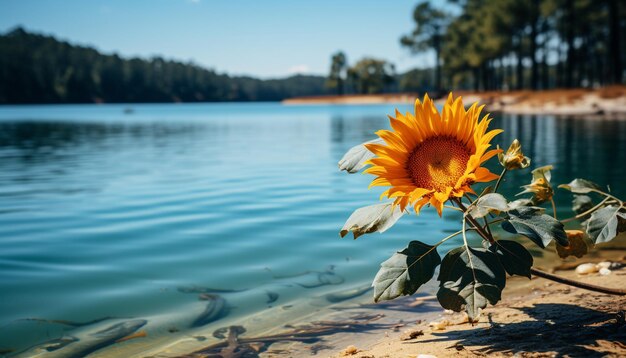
(501, 45)
(476, 44)
(41, 69)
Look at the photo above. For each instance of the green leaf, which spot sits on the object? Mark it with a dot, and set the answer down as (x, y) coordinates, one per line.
(520, 202)
(373, 218)
(488, 203)
(470, 277)
(514, 257)
(580, 186)
(449, 297)
(405, 271)
(476, 296)
(532, 223)
(581, 203)
(605, 224)
(355, 158)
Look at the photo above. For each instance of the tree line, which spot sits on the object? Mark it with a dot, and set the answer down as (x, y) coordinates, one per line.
(41, 69)
(522, 44)
(503, 45)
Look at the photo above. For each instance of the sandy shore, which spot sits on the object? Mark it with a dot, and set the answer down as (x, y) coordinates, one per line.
(536, 318)
(399, 98)
(603, 102)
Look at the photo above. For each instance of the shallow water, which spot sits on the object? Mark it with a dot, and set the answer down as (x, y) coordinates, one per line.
(104, 213)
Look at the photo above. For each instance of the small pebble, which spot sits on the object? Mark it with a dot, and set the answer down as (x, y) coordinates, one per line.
(584, 269)
(411, 334)
(439, 325)
(605, 264)
(350, 350)
(464, 318)
(605, 271)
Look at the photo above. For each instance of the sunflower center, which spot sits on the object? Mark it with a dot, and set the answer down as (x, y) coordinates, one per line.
(438, 163)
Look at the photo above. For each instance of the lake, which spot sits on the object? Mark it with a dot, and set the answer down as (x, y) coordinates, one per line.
(130, 210)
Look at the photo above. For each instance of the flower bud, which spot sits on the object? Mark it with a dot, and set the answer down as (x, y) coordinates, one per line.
(540, 185)
(513, 158)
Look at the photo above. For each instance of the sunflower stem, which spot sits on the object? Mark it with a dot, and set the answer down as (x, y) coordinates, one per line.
(495, 189)
(487, 226)
(553, 208)
(485, 235)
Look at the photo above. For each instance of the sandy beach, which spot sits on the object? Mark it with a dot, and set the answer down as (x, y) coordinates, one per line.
(536, 318)
(601, 102)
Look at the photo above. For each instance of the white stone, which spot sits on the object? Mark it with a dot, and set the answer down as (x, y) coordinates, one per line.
(584, 269)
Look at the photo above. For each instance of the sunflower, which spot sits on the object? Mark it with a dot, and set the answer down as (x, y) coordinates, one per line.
(431, 157)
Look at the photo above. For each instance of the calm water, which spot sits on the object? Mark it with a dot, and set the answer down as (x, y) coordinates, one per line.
(107, 214)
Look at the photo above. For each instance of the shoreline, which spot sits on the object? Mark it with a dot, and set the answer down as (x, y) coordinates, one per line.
(538, 319)
(602, 102)
(535, 318)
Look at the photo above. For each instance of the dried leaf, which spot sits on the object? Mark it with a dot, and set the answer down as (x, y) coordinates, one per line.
(373, 218)
(355, 158)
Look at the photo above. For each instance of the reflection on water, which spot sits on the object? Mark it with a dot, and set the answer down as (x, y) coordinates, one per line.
(104, 214)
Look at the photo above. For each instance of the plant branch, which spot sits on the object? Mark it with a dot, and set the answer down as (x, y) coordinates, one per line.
(582, 215)
(534, 271)
(448, 237)
(621, 203)
(495, 189)
(585, 286)
(553, 208)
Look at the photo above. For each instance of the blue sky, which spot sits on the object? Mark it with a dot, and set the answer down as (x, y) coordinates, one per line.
(265, 38)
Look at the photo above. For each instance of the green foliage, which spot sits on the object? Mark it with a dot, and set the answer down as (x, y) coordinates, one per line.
(513, 44)
(431, 24)
(337, 75)
(41, 69)
(606, 224)
(417, 80)
(487, 203)
(538, 227)
(514, 257)
(470, 277)
(371, 75)
(580, 186)
(603, 222)
(405, 271)
(581, 203)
